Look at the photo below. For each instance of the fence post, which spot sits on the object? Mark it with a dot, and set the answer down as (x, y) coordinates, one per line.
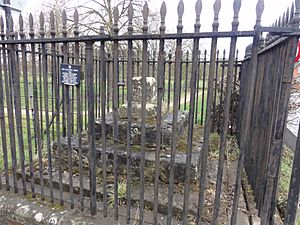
(293, 196)
(91, 125)
(247, 110)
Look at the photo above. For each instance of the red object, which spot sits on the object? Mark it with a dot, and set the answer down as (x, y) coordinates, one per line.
(298, 53)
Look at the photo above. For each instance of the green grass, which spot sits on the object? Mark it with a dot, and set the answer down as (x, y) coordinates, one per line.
(284, 179)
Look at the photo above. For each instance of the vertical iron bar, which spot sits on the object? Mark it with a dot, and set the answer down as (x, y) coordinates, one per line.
(2, 112)
(26, 87)
(215, 92)
(15, 76)
(145, 73)
(115, 98)
(224, 131)
(57, 106)
(222, 87)
(79, 113)
(160, 92)
(203, 88)
(197, 87)
(9, 105)
(169, 79)
(103, 130)
(248, 109)
(186, 79)
(202, 160)
(91, 126)
(180, 10)
(129, 112)
(193, 86)
(37, 128)
(66, 94)
(45, 83)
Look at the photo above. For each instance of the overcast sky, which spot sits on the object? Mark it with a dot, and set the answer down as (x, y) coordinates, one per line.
(273, 9)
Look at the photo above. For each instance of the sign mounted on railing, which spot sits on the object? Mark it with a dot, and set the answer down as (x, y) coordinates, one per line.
(70, 74)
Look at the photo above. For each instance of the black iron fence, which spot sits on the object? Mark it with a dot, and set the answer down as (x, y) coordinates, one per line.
(133, 131)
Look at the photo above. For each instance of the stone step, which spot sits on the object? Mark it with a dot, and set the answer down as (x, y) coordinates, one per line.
(165, 158)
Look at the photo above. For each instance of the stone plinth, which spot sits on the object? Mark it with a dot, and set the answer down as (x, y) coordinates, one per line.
(151, 100)
(151, 116)
(166, 128)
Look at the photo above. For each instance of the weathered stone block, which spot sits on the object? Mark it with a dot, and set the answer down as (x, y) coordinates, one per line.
(166, 128)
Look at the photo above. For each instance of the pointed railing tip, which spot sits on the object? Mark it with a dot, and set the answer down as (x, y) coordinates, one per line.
(76, 17)
(52, 20)
(11, 23)
(163, 10)
(130, 11)
(292, 11)
(237, 6)
(180, 8)
(259, 9)
(145, 11)
(198, 8)
(102, 30)
(64, 18)
(30, 19)
(297, 5)
(21, 22)
(287, 16)
(1, 24)
(283, 19)
(42, 21)
(279, 22)
(217, 7)
(116, 15)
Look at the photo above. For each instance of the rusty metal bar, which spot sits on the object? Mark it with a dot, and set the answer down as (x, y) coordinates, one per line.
(224, 131)
(193, 86)
(247, 110)
(91, 126)
(160, 92)
(115, 99)
(143, 114)
(178, 57)
(202, 160)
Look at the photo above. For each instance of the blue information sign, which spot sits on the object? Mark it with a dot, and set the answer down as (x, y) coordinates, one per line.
(70, 74)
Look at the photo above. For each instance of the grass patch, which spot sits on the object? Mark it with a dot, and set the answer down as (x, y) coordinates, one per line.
(284, 179)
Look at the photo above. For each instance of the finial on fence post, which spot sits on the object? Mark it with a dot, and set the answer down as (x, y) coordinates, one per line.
(116, 19)
(11, 26)
(198, 9)
(163, 12)
(259, 11)
(296, 17)
(180, 10)
(42, 25)
(2, 26)
(102, 30)
(217, 7)
(287, 16)
(64, 23)
(130, 18)
(236, 10)
(76, 20)
(279, 22)
(52, 24)
(145, 17)
(21, 26)
(31, 29)
(283, 20)
(292, 12)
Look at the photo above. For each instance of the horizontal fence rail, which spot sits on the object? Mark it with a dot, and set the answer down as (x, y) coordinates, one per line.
(113, 123)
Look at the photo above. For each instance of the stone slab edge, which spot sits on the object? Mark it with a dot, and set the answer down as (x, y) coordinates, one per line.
(16, 208)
